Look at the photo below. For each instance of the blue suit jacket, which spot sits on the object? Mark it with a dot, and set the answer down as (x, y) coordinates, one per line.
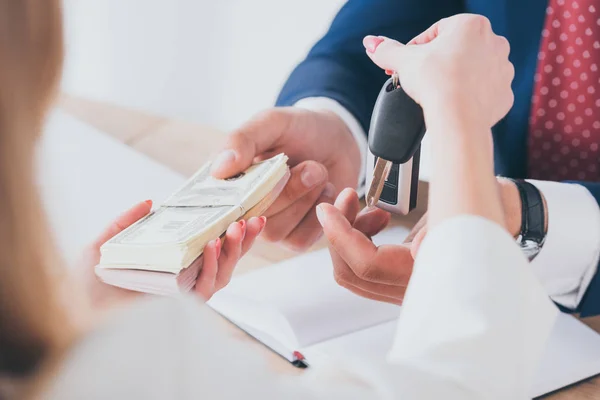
(338, 68)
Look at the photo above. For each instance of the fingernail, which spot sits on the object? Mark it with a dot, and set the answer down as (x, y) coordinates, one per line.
(320, 215)
(312, 175)
(243, 227)
(329, 190)
(224, 158)
(372, 42)
(149, 202)
(389, 72)
(263, 222)
(218, 247)
(319, 236)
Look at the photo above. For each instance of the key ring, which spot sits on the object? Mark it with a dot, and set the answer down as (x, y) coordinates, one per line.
(395, 80)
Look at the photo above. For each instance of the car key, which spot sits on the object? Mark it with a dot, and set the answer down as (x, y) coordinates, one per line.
(395, 135)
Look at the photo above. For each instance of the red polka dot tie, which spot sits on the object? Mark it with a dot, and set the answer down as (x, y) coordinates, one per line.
(565, 113)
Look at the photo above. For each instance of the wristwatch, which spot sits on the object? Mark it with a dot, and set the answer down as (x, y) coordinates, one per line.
(533, 219)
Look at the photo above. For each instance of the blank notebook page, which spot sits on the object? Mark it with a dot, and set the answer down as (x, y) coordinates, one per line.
(327, 319)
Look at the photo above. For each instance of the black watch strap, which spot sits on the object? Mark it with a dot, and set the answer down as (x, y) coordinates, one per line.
(533, 219)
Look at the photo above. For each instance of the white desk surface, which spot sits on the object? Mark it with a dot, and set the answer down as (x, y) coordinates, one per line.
(88, 178)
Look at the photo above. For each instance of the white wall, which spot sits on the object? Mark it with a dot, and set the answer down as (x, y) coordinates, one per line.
(212, 62)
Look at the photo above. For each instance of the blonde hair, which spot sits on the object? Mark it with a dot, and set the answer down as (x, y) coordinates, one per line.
(33, 324)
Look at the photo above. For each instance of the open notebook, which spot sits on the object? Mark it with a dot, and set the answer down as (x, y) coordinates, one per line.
(296, 308)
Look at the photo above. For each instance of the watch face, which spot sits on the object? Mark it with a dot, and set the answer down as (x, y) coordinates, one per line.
(529, 248)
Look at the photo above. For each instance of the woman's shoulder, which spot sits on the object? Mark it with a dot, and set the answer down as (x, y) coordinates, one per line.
(139, 352)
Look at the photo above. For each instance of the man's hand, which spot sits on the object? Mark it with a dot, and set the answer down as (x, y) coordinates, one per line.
(379, 273)
(382, 273)
(511, 204)
(324, 158)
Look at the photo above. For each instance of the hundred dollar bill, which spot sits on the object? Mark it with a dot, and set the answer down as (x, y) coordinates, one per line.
(172, 237)
(202, 190)
(161, 240)
(171, 225)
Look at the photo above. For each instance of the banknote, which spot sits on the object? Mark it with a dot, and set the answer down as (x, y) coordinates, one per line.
(203, 190)
(174, 235)
(171, 225)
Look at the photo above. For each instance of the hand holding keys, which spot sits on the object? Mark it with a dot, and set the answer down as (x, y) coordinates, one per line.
(397, 128)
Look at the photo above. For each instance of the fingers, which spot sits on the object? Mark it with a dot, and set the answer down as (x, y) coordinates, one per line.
(254, 228)
(308, 231)
(377, 296)
(371, 42)
(293, 211)
(430, 34)
(418, 226)
(205, 283)
(390, 265)
(231, 253)
(371, 221)
(480, 21)
(125, 220)
(416, 243)
(356, 278)
(396, 277)
(254, 138)
(503, 46)
(386, 53)
(350, 244)
(304, 178)
(347, 203)
(281, 224)
(221, 256)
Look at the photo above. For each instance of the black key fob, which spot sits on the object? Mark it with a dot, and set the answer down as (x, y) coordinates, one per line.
(397, 125)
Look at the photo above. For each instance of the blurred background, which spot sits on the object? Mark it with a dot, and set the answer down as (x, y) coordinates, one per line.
(211, 62)
(154, 85)
(149, 89)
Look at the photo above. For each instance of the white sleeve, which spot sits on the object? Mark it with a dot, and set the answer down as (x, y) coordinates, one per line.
(568, 260)
(459, 336)
(457, 321)
(325, 103)
(457, 340)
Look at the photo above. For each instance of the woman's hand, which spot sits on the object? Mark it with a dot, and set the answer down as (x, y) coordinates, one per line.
(458, 66)
(220, 257)
(458, 71)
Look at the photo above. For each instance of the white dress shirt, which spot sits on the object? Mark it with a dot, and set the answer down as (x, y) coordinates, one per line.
(569, 258)
(455, 340)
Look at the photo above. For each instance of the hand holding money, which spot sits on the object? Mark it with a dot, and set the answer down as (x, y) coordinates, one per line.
(220, 258)
(324, 159)
(161, 253)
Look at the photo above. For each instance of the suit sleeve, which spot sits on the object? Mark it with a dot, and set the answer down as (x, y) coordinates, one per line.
(590, 303)
(337, 66)
(567, 265)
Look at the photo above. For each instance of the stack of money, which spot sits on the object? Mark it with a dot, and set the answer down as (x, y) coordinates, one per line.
(161, 253)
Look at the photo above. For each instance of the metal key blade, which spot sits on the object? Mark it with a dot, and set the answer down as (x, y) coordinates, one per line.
(380, 174)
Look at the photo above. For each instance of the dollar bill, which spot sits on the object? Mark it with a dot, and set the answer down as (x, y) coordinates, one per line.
(202, 190)
(171, 225)
(172, 237)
